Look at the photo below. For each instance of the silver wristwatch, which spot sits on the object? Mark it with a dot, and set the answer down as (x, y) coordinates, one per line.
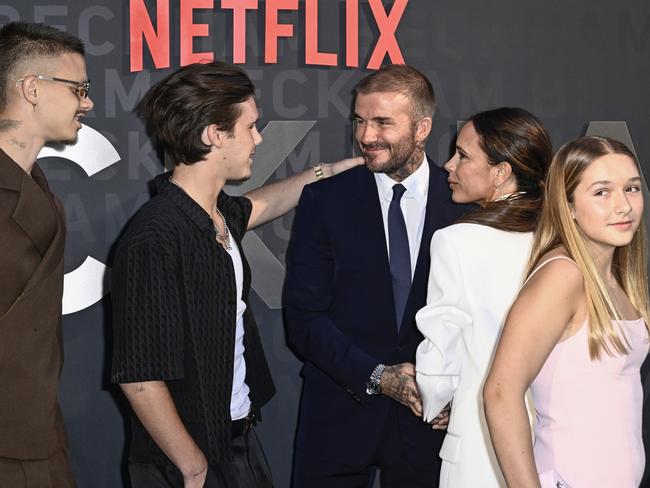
(373, 387)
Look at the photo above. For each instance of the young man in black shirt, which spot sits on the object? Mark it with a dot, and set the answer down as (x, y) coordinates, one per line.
(181, 284)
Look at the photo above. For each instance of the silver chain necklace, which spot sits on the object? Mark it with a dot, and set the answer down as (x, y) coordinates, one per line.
(222, 238)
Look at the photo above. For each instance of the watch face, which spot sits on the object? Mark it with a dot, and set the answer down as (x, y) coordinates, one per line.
(372, 388)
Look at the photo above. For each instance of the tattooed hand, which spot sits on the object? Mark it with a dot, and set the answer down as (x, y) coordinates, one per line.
(398, 383)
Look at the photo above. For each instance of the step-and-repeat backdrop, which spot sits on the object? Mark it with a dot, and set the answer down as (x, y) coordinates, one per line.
(582, 67)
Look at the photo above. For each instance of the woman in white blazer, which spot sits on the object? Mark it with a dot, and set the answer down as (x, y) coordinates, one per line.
(477, 267)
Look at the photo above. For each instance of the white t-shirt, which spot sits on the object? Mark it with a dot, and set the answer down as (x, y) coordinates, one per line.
(240, 403)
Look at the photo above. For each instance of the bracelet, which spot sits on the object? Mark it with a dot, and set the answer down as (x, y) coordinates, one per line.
(318, 171)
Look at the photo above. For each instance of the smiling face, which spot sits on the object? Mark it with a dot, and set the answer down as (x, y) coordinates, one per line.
(239, 147)
(471, 178)
(387, 134)
(608, 202)
(60, 108)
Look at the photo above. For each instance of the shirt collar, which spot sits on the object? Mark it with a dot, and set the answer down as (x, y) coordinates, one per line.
(416, 184)
(183, 201)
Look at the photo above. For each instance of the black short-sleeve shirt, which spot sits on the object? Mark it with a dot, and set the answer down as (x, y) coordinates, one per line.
(174, 317)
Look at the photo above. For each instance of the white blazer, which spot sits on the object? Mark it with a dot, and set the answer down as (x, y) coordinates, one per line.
(476, 272)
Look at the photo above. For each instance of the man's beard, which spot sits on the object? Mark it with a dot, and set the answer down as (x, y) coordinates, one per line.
(60, 144)
(400, 154)
(71, 142)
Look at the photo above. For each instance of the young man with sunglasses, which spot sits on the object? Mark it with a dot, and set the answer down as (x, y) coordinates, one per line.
(43, 96)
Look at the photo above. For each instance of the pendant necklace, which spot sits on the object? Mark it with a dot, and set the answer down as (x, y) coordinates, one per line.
(222, 238)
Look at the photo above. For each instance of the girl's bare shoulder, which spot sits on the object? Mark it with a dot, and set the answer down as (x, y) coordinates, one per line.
(557, 272)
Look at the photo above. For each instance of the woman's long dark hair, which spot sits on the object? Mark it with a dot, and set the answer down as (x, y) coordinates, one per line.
(515, 136)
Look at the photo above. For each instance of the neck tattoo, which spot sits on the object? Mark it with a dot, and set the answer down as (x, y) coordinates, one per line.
(16, 142)
(222, 238)
(410, 166)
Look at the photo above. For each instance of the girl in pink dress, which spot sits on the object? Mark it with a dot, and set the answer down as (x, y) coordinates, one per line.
(577, 333)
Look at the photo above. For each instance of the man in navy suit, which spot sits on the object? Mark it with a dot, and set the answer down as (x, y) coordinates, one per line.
(358, 269)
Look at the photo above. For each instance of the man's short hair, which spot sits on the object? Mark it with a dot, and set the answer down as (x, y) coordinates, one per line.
(404, 79)
(179, 107)
(23, 41)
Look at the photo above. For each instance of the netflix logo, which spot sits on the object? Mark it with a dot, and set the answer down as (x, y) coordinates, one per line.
(158, 41)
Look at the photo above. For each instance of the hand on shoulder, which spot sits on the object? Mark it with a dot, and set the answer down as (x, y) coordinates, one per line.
(331, 169)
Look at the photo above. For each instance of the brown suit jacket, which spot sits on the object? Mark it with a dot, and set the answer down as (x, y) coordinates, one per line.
(32, 241)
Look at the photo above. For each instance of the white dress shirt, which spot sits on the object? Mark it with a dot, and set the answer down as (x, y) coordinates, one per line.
(413, 205)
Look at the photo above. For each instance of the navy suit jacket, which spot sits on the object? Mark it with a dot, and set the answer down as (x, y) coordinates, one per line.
(341, 320)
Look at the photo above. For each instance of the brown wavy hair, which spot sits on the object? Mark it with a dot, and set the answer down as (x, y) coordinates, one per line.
(517, 137)
(180, 106)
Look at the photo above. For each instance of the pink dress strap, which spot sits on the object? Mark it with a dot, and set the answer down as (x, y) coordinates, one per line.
(546, 262)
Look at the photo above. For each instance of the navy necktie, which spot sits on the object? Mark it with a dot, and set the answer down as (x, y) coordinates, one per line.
(400, 256)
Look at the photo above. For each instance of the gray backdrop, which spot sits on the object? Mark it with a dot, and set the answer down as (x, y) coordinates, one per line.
(581, 66)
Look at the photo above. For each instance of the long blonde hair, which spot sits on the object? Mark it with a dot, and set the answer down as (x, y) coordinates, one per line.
(558, 228)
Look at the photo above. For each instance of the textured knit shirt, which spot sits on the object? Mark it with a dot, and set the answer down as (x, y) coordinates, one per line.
(174, 313)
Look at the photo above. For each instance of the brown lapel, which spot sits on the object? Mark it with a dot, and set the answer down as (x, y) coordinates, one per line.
(46, 229)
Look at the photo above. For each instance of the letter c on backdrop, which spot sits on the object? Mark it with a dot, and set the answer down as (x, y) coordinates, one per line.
(84, 286)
